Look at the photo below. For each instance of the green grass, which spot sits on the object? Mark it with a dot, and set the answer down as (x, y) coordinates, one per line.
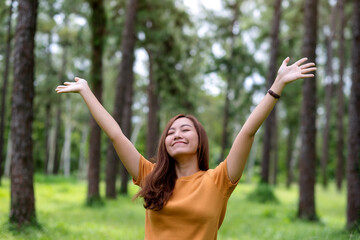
(62, 214)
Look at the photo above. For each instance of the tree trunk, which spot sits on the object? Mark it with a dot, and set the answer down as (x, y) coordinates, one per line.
(307, 162)
(66, 156)
(353, 159)
(229, 80)
(340, 101)
(4, 90)
(274, 155)
(48, 106)
(270, 122)
(8, 157)
(289, 156)
(58, 113)
(82, 167)
(98, 28)
(56, 143)
(47, 136)
(152, 136)
(123, 100)
(329, 83)
(22, 209)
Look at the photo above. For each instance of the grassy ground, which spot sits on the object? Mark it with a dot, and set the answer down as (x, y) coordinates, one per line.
(62, 215)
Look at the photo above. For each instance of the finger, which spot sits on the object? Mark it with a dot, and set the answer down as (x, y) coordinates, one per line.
(77, 79)
(61, 87)
(286, 61)
(301, 61)
(307, 70)
(307, 75)
(307, 65)
(68, 83)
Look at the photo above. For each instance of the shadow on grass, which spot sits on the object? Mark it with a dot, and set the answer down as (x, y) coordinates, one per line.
(95, 202)
(25, 229)
(263, 193)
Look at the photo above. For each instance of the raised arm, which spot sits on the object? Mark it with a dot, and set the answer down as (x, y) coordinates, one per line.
(123, 146)
(240, 149)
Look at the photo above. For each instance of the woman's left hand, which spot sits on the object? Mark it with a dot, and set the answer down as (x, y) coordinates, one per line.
(288, 74)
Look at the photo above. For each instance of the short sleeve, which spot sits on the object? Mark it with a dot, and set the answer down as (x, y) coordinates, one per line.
(145, 167)
(222, 180)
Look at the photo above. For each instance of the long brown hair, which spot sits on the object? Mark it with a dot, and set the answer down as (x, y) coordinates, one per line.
(159, 184)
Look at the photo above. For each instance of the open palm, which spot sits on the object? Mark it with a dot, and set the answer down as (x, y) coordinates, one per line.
(295, 71)
(72, 87)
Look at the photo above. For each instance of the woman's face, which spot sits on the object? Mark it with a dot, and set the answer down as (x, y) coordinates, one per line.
(182, 138)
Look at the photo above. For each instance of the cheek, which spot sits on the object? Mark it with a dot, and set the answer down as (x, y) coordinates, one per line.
(167, 143)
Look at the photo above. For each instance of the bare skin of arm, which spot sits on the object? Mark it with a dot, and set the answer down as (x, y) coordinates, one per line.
(126, 151)
(241, 147)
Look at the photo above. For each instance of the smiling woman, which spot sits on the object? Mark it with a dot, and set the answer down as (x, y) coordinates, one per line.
(184, 199)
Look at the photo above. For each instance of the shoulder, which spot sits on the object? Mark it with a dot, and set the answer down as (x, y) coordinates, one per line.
(221, 178)
(145, 167)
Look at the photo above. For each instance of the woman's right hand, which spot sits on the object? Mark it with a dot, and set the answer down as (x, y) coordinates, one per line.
(73, 87)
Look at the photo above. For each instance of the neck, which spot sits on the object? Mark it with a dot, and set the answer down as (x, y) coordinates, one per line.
(186, 166)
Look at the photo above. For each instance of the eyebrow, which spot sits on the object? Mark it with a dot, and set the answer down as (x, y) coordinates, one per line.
(184, 125)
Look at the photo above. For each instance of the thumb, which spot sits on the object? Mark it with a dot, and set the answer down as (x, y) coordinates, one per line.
(286, 61)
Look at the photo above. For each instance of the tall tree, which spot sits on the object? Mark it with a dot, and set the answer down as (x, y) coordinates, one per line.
(98, 29)
(170, 76)
(307, 162)
(152, 136)
(270, 123)
(123, 100)
(329, 85)
(235, 11)
(4, 89)
(22, 209)
(353, 158)
(340, 162)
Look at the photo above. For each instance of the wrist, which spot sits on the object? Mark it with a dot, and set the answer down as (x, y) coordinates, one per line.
(84, 89)
(277, 87)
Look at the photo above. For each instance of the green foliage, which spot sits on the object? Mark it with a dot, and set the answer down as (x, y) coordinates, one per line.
(263, 193)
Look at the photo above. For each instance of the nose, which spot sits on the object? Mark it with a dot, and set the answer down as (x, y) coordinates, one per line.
(177, 135)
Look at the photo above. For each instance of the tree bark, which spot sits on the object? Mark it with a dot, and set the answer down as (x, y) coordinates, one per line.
(340, 162)
(307, 162)
(4, 90)
(152, 136)
(270, 122)
(353, 158)
(22, 210)
(98, 29)
(329, 83)
(123, 100)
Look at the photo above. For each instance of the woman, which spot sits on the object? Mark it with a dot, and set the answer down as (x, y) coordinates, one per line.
(182, 197)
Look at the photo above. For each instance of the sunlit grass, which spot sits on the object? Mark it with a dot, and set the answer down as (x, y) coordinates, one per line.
(62, 214)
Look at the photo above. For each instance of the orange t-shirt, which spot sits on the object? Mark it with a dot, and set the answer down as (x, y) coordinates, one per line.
(196, 208)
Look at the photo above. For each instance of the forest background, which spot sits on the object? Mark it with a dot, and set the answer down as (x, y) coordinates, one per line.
(149, 60)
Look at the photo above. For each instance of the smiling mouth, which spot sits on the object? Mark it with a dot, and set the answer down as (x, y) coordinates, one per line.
(177, 143)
